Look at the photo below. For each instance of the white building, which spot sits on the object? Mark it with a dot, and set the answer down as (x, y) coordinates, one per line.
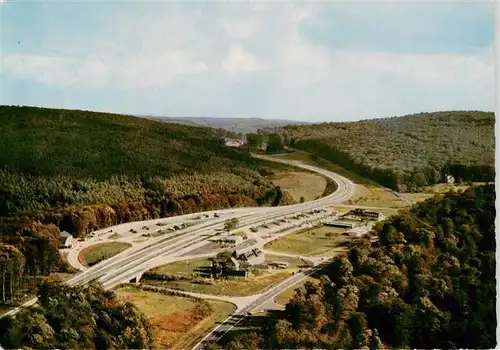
(280, 264)
(358, 231)
(251, 256)
(65, 239)
(449, 179)
(233, 142)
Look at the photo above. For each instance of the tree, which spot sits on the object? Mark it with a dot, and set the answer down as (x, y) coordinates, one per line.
(76, 317)
(419, 179)
(302, 199)
(11, 271)
(255, 140)
(28, 329)
(276, 143)
(249, 341)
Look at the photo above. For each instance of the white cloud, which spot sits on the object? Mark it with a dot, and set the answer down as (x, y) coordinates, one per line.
(197, 54)
(157, 70)
(241, 29)
(55, 69)
(238, 60)
(133, 72)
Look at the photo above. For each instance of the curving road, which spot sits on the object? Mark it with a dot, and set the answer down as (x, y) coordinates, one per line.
(131, 263)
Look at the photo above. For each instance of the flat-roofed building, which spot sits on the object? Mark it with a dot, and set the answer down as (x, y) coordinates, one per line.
(358, 231)
(280, 264)
(251, 256)
(339, 223)
(366, 215)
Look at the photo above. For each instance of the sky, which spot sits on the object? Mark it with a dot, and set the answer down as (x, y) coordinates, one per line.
(310, 61)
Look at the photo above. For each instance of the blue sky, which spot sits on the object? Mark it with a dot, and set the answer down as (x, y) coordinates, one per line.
(303, 60)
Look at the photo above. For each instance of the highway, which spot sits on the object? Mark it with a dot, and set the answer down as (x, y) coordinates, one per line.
(160, 250)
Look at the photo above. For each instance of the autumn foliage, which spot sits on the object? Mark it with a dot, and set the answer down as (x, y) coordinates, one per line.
(429, 282)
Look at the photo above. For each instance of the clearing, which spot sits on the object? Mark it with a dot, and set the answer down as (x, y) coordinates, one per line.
(367, 192)
(308, 158)
(301, 184)
(98, 252)
(436, 189)
(177, 320)
(230, 287)
(312, 242)
(187, 272)
(374, 196)
(184, 268)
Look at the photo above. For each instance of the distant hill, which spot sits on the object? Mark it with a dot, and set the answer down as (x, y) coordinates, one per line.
(236, 125)
(413, 150)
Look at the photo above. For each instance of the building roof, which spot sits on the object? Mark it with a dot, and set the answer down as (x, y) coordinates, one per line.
(341, 222)
(65, 234)
(235, 262)
(360, 230)
(244, 246)
(233, 237)
(63, 240)
(249, 254)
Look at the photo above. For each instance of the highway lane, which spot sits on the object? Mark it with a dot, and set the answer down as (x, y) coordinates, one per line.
(165, 255)
(136, 260)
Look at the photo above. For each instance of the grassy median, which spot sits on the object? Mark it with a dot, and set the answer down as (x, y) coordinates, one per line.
(98, 252)
(318, 242)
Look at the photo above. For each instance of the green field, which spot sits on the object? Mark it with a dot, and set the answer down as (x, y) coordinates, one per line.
(293, 263)
(257, 281)
(366, 193)
(228, 287)
(175, 319)
(182, 268)
(307, 158)
(98, 252)
(301, 184)
(311, 242)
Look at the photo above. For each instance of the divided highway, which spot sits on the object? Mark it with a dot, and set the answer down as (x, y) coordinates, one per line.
(157, 251)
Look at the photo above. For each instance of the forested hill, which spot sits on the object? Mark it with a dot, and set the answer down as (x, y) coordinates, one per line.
(57, 158)
(412, 150)
(429, 282)
(81, 171)
(40, 141)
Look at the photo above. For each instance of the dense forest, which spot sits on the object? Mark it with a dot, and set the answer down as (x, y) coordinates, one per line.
(81, 171)
(405, 153)
(77, 318)
(427, 282)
